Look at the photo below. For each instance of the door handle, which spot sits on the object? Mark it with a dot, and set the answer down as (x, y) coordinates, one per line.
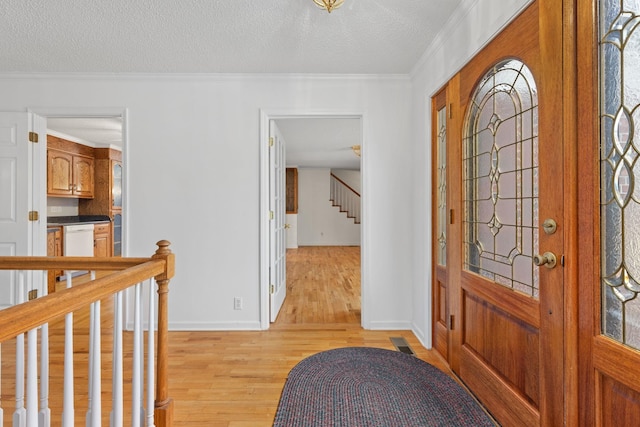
(287, 226)
(548, 259)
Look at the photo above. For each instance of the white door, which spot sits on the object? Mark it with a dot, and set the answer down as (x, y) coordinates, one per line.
(20, 172)
(277, 231)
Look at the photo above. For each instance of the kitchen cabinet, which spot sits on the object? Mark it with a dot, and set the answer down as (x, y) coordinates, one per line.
(54, 248)
(70, 169)
(102, 240)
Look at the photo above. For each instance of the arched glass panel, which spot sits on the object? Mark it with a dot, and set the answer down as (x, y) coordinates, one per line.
(620, 169)
(500, 178)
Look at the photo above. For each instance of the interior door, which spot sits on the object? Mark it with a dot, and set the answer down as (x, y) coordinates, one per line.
(18, 235)
(610, 215)
(507, 266)
(277, 230)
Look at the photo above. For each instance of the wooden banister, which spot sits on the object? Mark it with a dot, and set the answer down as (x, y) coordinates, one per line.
(164, 404)
(345, 184)
(127, 272)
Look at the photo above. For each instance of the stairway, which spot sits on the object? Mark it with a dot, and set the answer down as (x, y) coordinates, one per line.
(345, 198)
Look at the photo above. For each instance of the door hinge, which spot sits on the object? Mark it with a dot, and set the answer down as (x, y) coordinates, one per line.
(33, 137)
(33, 294)
(271, 215)
(270, 141)
(451, 322)
(450, 216)
(272, 289)
(33, 216)
(451, 111)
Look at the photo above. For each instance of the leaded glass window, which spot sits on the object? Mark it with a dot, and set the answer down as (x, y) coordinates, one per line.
(500, 178)
(620, 169)
(442, 185)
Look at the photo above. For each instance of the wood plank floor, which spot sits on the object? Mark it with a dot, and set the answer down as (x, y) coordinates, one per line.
(235, 378)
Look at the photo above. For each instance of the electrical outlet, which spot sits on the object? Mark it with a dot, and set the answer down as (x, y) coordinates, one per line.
(237, 303)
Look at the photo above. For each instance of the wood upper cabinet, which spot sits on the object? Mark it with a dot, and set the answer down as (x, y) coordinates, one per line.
(70, 169)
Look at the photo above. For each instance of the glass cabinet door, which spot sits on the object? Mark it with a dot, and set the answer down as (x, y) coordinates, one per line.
(116, 189)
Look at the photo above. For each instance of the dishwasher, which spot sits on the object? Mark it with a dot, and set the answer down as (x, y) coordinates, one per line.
(78, 241)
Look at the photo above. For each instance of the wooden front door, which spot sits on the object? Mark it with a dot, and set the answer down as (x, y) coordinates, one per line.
(506, 244)
(609, 218)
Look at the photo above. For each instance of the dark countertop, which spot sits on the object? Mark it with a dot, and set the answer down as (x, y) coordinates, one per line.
(78, 219)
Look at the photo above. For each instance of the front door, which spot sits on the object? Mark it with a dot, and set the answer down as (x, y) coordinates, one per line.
(506, 267)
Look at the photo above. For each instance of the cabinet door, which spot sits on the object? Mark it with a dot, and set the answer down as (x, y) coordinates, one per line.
(117, 234)
(83, 169)
(101, 240)
(59, 173)
(116, 188)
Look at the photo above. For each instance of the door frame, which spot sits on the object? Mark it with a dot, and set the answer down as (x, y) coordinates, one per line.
(80, 112)
(293, 113)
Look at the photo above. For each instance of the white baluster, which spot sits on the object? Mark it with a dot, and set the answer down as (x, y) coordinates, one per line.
(1, 410)
(32, 378)
(44, 415)
(136, 381)
(94, 412)
(117, 391)
(19, 415)
(68, 410)
(151, 357)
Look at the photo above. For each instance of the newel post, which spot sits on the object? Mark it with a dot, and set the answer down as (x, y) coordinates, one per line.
(163, 412)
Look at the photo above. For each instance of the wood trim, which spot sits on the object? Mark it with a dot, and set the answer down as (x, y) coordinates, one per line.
(454, 200)
(495, 393)
(571, 212)
(588, 259)
(55, 143)
(523, 307)
(616, 361)
(68, 263)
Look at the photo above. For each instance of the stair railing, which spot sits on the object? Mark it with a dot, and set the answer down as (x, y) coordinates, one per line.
(345, 198)
(36, 319)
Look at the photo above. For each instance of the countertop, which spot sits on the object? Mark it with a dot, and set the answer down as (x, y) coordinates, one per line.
(78, 219)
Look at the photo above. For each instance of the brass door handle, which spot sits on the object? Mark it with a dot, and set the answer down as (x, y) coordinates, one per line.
(548, 259)
(287, 226)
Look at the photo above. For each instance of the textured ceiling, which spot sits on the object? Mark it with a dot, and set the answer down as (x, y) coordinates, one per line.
(215, 36)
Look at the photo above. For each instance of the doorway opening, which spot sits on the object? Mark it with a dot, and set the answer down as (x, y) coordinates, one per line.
(317, 146)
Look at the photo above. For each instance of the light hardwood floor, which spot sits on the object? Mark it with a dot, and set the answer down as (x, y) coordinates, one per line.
(235, 378)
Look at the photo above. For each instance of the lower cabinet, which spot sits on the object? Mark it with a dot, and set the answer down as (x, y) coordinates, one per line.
(54, 248)
(102, 240)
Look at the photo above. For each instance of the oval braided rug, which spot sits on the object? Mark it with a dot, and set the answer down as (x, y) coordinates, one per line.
(359, 386)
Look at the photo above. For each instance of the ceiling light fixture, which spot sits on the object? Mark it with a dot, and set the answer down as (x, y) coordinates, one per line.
(356, 150)
(328, 5)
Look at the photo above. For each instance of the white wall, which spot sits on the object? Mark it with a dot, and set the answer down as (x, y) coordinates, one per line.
(319, 222)
(465, 34)
(192, 176)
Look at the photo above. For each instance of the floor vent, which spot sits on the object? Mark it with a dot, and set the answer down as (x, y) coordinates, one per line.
(401, 345)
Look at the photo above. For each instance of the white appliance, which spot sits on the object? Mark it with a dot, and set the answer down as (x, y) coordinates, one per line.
(78, 240)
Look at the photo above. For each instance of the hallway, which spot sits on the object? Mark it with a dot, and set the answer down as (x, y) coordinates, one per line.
(323, 286)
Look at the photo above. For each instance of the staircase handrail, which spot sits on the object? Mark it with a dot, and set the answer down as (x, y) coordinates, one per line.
(127, 272)
(345, 184)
